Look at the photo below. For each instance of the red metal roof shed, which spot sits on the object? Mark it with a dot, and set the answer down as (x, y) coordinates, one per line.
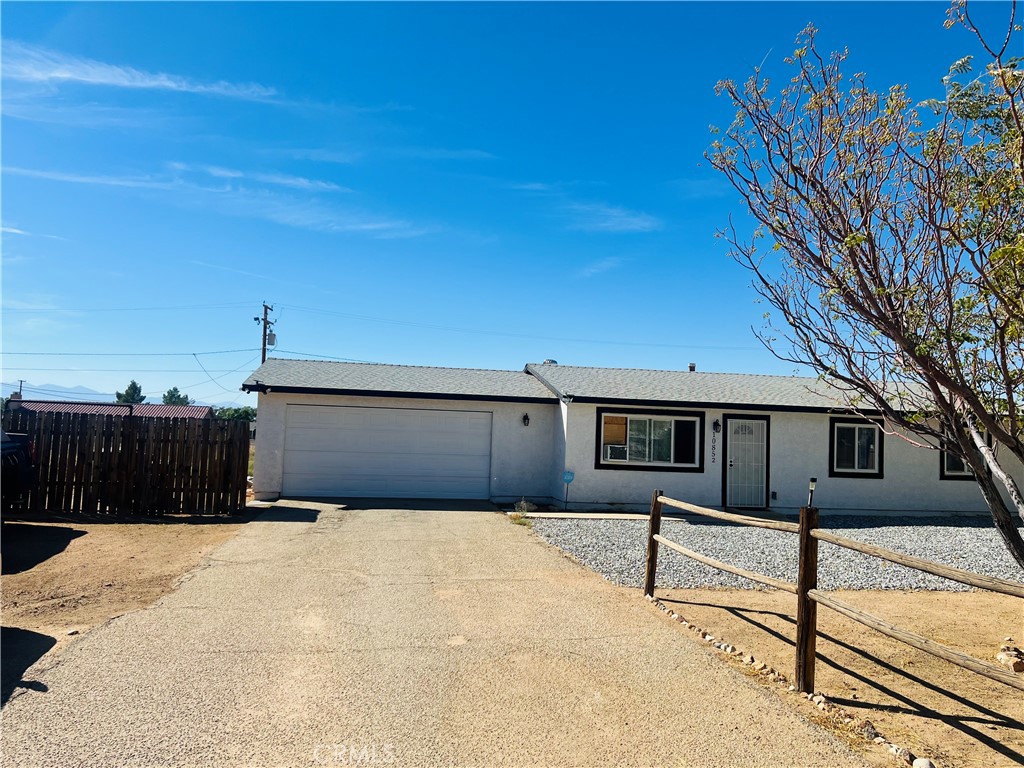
(120, 409)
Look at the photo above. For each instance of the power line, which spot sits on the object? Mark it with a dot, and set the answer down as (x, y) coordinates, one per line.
(38, 310)
(511, 334)
(125, 370)
(131, 354)
(213, 379)
(62, 393)
(324, 357)
(246, 364)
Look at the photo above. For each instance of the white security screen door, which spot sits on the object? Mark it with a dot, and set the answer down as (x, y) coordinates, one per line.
(746, 462)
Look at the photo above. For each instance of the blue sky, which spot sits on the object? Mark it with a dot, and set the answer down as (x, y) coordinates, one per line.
(477, 185)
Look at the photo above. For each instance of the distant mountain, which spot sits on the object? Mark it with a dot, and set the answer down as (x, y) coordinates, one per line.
(82, 394)
(57, 392)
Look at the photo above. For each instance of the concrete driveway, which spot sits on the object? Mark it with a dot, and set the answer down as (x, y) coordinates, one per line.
(330, 636)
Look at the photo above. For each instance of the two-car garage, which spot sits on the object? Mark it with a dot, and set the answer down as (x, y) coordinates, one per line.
(386, 452)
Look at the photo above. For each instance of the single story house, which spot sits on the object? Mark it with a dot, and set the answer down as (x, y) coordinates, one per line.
(332, 429)
(119, 409)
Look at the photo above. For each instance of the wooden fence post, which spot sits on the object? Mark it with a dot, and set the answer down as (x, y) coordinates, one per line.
(806, 609)
(653, 529)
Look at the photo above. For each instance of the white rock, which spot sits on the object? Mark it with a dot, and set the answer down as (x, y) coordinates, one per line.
(1014, 662)
(923, 762)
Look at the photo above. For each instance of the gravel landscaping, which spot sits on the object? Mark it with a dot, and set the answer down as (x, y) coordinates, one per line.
(616, 549)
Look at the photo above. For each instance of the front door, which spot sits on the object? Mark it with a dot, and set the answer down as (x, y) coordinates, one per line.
(746, 461)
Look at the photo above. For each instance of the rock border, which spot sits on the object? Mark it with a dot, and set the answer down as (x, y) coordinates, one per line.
(766, 675)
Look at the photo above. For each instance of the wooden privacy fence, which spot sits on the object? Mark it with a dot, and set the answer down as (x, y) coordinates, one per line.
(809, 597)
(135, 465)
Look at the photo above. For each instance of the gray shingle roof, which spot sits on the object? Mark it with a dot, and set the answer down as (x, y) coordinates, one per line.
(612, 384)
(324, 376)
(582, 383)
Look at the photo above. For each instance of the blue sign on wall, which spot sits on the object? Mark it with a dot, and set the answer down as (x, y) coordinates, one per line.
(568, 476)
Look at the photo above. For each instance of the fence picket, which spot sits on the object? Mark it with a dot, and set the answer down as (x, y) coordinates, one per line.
(102, 464)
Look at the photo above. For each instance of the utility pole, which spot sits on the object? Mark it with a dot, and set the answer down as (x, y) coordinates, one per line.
(267, 325)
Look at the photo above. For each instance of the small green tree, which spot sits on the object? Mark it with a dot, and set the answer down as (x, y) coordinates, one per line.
(131, 394)
(173, 397)
(241, 413)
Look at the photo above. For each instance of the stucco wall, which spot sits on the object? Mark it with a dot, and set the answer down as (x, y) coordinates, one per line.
(798, 450)
(521, 457)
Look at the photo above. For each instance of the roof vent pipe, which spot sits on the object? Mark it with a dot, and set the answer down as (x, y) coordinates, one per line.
(693, 367)
(549, 361)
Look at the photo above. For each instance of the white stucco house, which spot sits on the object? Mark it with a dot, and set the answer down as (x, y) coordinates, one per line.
(331, 429)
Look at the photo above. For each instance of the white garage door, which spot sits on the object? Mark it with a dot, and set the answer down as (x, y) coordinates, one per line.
(386, 452)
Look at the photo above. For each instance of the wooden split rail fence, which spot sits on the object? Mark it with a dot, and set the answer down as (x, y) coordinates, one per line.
(809, 597)
(103, 464)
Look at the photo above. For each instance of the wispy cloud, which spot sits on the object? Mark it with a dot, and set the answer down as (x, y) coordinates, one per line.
(34, 64)
(274, 179)
(700, 188)
(429, 153)
(135, 182)
(31, 108)
(318, 216)
(597, 267)
(310, 213)
(532, 186)
(339, 156)
(601, 217)
(232, 270)
(32, 302)
(16, 231)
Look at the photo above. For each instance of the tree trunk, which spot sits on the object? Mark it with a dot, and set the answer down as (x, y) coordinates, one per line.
(987, 471)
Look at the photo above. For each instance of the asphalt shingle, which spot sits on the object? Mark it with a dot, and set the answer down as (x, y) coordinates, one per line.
(328, 376)
(547, 381)
(601, 384)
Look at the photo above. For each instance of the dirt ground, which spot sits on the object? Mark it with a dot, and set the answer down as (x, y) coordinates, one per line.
(61, 578)
(954, 717)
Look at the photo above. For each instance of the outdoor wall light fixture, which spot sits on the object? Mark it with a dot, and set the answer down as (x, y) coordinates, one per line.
(810, 490)
(717, 426)
(526, 419)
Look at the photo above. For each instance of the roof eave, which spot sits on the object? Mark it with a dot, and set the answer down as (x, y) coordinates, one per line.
(264, 388)
(723, 405)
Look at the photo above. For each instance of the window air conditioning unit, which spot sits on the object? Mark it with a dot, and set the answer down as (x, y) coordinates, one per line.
(615, 453)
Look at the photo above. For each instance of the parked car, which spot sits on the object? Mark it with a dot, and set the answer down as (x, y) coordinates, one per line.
(18, 468)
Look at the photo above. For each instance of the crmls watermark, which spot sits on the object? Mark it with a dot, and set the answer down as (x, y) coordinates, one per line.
(354, 754)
